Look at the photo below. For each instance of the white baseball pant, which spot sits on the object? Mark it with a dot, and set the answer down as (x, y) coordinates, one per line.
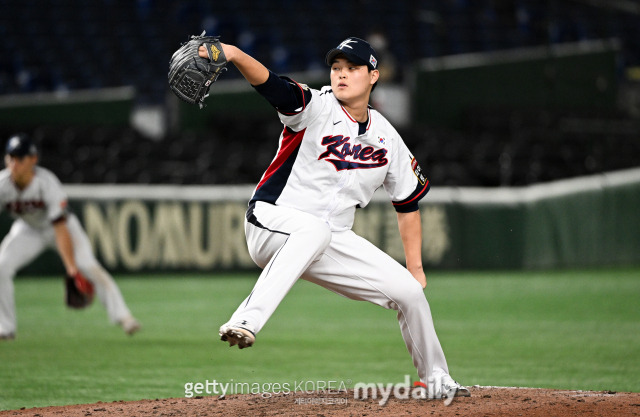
(289, 244)
(23, 244)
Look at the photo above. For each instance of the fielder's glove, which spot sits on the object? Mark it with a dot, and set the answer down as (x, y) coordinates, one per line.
(79, 291)
(191, 76)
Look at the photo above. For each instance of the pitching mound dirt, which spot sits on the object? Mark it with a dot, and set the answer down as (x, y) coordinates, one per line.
(484, 401)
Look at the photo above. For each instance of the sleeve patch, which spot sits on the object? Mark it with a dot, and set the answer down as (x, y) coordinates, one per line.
(418, 172)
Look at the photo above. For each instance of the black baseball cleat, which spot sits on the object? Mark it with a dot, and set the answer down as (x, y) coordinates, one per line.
(237, 334)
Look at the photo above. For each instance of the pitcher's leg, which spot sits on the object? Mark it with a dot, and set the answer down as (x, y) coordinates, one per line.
(284, 242)
(353, 267)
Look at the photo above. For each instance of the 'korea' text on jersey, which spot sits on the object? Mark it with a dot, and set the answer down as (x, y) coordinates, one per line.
(328, 164)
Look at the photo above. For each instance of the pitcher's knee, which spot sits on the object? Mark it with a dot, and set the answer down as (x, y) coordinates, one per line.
(317, 232)
(323, 234)
(410, 295)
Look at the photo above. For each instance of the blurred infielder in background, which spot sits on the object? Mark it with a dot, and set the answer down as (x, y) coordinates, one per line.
(34, 197)
(334, 152)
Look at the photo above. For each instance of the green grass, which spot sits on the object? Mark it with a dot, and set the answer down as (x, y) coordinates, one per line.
(561, 329)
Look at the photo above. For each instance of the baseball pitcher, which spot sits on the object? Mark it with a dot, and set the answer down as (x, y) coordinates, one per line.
(333, 153)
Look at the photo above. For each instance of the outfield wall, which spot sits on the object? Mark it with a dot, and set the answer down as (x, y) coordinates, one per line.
(590, 221)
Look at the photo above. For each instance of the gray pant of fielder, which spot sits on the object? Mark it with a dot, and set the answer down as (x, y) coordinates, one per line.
(23, 244)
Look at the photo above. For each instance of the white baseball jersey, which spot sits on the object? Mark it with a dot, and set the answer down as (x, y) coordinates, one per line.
(39, 204)
(35, 208)
(328, 164)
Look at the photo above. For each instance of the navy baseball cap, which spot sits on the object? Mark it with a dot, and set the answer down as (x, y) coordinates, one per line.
(20, 145)
(357, 51)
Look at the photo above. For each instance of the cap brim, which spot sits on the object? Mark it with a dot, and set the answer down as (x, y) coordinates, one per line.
(20, 153)
(332, 54)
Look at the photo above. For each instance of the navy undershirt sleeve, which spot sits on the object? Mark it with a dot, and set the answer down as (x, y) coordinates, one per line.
(284, 94)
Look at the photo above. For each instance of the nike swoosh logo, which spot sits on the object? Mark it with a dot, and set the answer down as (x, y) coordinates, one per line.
(335, 123)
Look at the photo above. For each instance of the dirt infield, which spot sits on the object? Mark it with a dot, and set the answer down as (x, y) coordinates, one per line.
(484, 401)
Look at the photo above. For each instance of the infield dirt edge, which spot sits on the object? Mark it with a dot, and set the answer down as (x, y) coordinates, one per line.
(484, 401)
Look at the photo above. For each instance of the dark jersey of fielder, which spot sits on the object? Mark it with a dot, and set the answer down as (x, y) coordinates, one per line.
(328, 164)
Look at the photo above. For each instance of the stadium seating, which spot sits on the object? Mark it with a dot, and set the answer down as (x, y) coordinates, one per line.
(107, 43)
(110, 43)
(500, 149)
